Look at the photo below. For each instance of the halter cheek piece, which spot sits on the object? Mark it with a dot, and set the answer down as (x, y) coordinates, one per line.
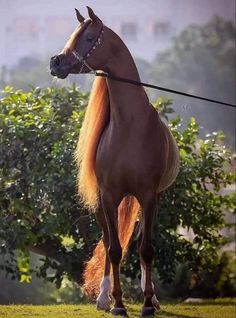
(83, 59)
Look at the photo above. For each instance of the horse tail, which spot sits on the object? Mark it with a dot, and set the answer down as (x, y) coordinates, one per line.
(94, 270)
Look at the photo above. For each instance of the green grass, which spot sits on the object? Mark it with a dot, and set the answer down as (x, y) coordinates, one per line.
(220, 308)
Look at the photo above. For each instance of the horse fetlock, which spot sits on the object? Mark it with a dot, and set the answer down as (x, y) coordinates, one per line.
(105, 285)
(155, 302)
(103, 302)
(148, 296)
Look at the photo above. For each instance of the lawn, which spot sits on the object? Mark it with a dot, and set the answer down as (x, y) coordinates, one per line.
(220, 308)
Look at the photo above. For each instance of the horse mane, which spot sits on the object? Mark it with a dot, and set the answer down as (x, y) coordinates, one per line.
(96, 117)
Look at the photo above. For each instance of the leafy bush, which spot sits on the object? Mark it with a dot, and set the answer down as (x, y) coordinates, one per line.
(39, 130)
(38, 207)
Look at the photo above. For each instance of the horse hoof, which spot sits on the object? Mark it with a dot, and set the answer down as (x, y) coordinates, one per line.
(116, 311)
(148, 311)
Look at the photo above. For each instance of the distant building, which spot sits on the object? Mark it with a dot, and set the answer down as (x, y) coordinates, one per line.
(40, 27)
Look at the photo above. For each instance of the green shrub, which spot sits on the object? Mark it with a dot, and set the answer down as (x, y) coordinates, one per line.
(38, 207)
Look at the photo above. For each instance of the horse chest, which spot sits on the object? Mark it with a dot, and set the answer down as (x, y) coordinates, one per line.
(114, 154)
(124, 158)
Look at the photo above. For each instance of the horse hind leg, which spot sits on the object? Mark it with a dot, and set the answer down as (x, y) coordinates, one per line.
(110, 208)
(104, 299)
(155, 301)
(149, 205)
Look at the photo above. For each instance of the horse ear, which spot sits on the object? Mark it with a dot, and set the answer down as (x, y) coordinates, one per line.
(79, 16)
(92, 15)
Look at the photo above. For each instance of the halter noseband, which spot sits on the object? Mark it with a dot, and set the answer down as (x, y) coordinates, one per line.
(83, 59)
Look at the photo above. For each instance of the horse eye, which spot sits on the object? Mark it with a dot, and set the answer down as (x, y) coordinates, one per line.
(89, 37)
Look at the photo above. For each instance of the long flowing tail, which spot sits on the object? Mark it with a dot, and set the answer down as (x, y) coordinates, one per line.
(94, 269)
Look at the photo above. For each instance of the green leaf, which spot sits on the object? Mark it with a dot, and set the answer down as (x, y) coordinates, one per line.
(23, 261)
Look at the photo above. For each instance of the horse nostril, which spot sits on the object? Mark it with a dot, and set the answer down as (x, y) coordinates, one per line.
(56, 61)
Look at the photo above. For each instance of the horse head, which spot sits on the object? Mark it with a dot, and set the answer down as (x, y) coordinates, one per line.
(78, 55)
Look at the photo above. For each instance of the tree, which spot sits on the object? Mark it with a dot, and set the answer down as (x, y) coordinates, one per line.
(38, 204)
(38, 207)
(201, 61)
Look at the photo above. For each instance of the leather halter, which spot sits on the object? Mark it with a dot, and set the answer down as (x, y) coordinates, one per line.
(83, 59)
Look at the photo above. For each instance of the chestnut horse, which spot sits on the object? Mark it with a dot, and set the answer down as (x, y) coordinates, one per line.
(126, 157)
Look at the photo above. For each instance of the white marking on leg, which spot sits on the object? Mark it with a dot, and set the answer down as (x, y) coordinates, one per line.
(155, 301)
(104, 300)
(143, 278)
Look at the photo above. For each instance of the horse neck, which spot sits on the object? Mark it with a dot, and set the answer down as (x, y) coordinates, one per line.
(126, 100)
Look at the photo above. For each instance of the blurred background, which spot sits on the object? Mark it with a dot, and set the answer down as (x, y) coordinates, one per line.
(185, 45)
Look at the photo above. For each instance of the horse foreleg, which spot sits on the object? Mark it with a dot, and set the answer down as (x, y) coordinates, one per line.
(149, 206)
(110, 209)
(104, 300)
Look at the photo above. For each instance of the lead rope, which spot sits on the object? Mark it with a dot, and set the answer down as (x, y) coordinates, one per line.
(126, 80)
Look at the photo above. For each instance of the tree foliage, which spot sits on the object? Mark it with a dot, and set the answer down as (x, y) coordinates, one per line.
(39, 210)
(39, 130)
(200, 61)
(202, 55)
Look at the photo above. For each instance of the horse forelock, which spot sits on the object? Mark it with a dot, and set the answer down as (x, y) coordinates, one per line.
(94, 122)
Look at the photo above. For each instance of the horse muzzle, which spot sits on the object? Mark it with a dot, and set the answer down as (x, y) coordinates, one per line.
(56, 67)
